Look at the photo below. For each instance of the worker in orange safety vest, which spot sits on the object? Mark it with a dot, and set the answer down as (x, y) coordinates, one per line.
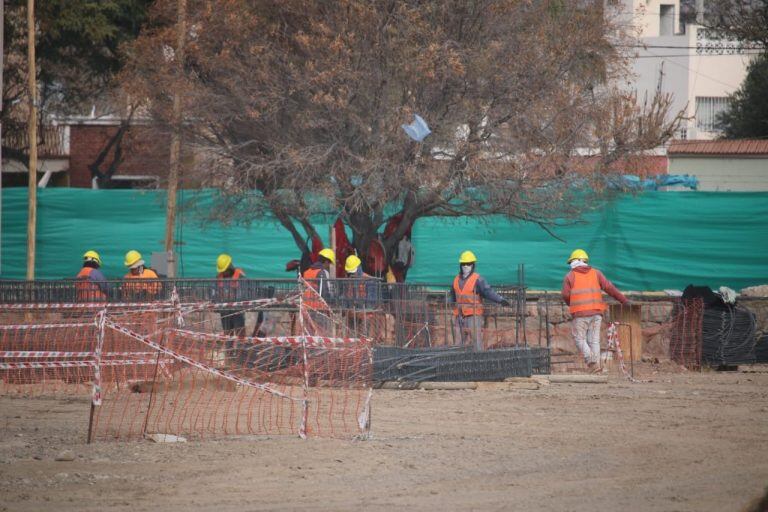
(582, 290)
(91, 285)
(467, 293)
(141, 283)
(318, 292)
(228, 288)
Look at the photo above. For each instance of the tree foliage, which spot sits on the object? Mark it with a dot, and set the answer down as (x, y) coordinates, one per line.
(745, 21)
(742, 20)
(298, 104)
(747, 114)
(77, 49)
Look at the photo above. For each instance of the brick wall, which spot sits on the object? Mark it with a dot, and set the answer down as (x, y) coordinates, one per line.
(145, 152)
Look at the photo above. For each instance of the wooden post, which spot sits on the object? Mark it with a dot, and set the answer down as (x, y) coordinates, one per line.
(332, 238)
(630, 332)
(2, 24)
(32, 135)
(175, 156)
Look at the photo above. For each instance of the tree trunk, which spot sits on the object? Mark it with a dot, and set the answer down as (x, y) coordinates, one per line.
(175, 157)
(32, 210)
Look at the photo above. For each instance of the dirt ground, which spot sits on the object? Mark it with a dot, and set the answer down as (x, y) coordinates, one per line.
(684, 442)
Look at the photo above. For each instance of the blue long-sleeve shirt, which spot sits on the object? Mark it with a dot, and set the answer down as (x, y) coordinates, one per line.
(361, 290)
(482, 288)
(97, 277)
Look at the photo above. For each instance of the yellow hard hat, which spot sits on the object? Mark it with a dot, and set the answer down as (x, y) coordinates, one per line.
(579, 254)
(131, 258)
(92, 256)
(352, 263)
(467, 257)
(223, 262)
(329, 255)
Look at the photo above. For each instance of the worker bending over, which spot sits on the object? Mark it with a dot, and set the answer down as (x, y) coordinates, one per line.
(141, 282)
(228, 290)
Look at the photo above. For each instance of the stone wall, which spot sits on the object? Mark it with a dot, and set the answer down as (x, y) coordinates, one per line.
(656, 317)
(540, 315)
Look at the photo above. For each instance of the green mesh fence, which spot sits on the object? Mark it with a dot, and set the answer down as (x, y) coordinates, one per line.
(654, 241)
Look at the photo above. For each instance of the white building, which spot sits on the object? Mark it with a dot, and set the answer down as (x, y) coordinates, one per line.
(682, 58)
(722, 165)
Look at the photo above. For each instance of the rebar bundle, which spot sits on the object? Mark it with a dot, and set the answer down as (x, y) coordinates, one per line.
(761, 350)
(458, 364)
(728, 335)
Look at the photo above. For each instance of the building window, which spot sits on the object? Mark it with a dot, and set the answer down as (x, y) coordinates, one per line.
(666, 20)
(708, 110)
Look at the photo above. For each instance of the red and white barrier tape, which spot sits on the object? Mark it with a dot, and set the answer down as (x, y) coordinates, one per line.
(614, 342)
(18, 354)
(74, 364)
(234, 305)
(88, 305)
(184, 359)
(284, 341)
(24, 327)
(96, 390)
(163, 306)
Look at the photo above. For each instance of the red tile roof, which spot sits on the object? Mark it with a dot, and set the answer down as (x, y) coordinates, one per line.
(719, 147)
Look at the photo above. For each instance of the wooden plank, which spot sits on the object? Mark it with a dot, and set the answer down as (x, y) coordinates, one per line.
(434, 386)
(507, 386)
(578, 379)
(630, 330)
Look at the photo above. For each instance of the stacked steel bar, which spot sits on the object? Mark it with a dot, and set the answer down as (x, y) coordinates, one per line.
(761, 350)
(728, 335)
(457, 364)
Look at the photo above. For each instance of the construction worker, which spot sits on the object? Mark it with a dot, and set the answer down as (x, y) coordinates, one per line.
(318, 292)
(137, 270)
(358, 295)
(226, 270)
(91, 285)
(228, 290)
(582, 291)
(468, 292)
(360, 292)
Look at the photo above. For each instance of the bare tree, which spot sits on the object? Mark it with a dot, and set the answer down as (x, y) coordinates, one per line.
(742, 20)
(300, 103)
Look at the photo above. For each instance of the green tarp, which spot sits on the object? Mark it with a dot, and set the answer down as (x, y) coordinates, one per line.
(653, 241)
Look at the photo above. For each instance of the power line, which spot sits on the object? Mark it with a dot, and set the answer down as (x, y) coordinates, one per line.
(703, 47)
(684, 55)
(697, 73)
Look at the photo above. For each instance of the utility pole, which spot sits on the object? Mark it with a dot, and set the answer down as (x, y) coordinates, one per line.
(2, 25)
(175, 156)
(32, 136)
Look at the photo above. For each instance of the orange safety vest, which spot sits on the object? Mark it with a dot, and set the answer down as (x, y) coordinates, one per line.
(467, 301)
(87, 290)
(227, 288)
(358, 290)
(151, 289)
(586, 294)
(310, 297)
